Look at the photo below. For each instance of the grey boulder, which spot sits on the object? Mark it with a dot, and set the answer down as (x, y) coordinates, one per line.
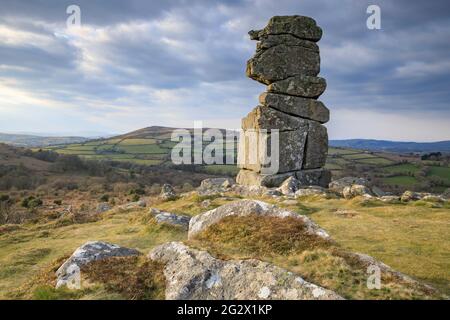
(289, 186)
(248, 207)
(195, 275)
(90, 251)
(173, 219)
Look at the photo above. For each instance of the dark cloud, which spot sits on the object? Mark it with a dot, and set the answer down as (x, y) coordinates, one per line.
(143, 56)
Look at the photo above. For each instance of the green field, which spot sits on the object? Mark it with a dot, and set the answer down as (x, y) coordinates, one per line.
(442, 172)
(400, 180)
(402, 169)
(154, 148)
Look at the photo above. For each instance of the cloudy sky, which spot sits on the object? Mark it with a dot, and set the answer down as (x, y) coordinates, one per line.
(138, 63)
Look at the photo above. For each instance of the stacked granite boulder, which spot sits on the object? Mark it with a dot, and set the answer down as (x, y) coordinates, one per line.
(287, 60)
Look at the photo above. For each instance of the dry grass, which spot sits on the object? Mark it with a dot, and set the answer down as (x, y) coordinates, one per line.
(285, 243)
(135, 278)
(412, 238)
(25, 254)
(257, 236)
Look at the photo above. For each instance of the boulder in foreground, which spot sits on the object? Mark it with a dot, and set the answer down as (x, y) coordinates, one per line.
(245, 208)
(193, 274)
(90, 251)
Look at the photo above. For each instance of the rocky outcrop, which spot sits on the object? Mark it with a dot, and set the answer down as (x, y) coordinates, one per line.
(167, 193)
(287, 60)
(249, 207)
(196, 275)
(90, 251)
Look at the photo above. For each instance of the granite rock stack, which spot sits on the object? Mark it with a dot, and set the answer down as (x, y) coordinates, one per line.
(287, 60)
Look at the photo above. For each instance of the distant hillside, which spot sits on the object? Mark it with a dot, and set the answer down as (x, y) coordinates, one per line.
(32, 141)
(392, 146)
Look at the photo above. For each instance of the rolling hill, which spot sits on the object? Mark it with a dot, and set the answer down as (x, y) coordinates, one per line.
(392, 146)
(32, 141)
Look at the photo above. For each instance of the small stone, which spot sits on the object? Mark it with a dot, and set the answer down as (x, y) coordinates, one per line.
(289, 186)
(356, 190)
(167, 193)
(339, 185)
(410, 196)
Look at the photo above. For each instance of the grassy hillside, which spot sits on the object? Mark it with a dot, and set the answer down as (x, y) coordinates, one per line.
(392, 146)
(412, 238)
(394, 172)
(29, 141)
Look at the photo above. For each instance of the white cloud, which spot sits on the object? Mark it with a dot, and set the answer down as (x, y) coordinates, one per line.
(417, 69)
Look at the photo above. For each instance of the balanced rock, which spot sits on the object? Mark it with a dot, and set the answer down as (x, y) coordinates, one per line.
(284, 137)
(195, 275)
